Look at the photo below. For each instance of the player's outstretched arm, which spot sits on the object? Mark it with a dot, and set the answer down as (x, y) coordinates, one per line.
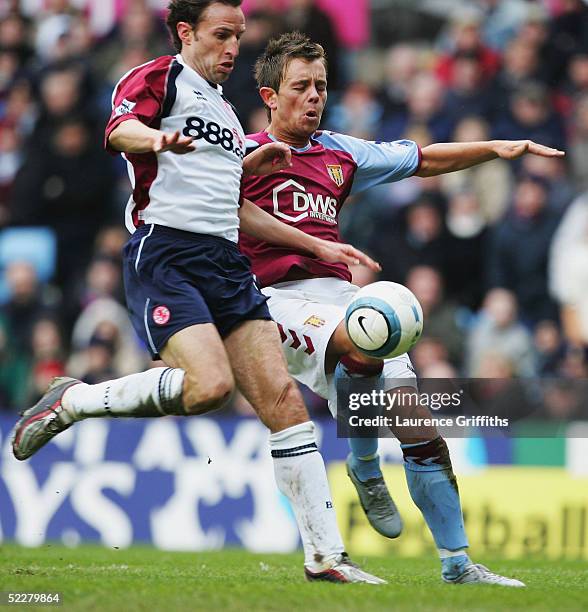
(132, 136)
(270, 157)
(261, 225)
(441, 158)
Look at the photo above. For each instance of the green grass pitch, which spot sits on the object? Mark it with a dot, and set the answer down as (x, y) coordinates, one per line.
(141, 578)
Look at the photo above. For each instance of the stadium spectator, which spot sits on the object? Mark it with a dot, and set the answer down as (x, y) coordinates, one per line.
(531, 116)
(438, 369)
(110, 242)
(97, 358)
(402, 64)
(18, 109)
(47, 357)
(490, 182)
(568, 32)
(138, 28)
(575, 364)
(442, 316)
(61, 96)
(425, 107)
(467, 91)
(465, 37)
(358, 113)
(560, 190)
(106, 319)
(430, 353)
(549, 348)
(68, 187)
(103, 280)
(14, 372)
(501, 19)
(467, 242)
(568, 271)
(419, 238)
(564, 400)
(520, 64)
(524, 270)
(575, 85)
(498, 331)
(9, 72)
(14, 38)
(10, 160)
(497, 366)
(579, 144)
(27, 303)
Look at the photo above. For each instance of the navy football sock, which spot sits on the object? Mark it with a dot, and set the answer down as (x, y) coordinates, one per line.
(433, 488)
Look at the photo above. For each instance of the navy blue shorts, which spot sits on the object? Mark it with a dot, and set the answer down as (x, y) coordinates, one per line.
(175, 279)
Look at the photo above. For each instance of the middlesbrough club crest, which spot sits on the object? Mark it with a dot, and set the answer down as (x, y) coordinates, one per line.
(336, 173)
(161, 315)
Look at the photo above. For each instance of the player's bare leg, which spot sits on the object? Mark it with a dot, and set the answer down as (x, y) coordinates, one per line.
(260, 370)
(208, 381)
(188, 386)
(363, 463)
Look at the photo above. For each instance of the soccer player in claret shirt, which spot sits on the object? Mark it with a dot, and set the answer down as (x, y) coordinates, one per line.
(308, 297)
(190, 292)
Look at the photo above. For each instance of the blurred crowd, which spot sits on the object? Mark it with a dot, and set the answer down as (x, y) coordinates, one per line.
(497, 254)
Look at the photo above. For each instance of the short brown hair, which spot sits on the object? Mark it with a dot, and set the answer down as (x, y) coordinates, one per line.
(189, 11)
(271, 66)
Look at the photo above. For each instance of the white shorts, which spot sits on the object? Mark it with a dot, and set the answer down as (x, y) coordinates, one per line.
(307, 313)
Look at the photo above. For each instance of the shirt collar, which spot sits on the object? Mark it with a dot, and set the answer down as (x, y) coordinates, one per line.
(298, 150)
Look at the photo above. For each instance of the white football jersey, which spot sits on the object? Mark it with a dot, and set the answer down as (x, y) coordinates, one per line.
(199, 191)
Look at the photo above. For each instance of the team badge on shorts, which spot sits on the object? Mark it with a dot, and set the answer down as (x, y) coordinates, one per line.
(336, 173)
(314, 321)
(161, 315)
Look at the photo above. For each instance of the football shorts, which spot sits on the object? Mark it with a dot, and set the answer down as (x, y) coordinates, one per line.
(307, 313)
(175, 279)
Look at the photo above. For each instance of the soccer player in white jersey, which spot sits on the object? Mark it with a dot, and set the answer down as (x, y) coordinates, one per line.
(308, 297)
(190, 292)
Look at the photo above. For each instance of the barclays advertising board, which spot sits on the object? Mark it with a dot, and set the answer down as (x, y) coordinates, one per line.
(180, 484)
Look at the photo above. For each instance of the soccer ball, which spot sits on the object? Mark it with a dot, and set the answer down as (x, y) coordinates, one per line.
(384, 320)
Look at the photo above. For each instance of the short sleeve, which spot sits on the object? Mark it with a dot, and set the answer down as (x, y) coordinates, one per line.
(377, 162)
(140, 95)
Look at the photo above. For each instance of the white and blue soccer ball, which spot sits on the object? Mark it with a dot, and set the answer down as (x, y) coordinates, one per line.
(384, 320)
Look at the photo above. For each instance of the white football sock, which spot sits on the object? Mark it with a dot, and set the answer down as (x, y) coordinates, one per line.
(153, 393)
(302, 478)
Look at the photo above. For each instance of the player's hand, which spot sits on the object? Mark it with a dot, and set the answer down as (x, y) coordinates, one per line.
(513, 149)
(336, 252)
(270, 157)
(175, 143)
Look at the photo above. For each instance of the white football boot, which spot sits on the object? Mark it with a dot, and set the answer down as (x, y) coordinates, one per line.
(342, 570)
(474, 573)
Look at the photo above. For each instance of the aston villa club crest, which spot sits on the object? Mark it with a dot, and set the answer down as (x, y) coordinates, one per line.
(315, 321)
(336, 173)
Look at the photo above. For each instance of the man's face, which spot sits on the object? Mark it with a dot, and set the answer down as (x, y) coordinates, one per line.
(302, 97)
(214, 45)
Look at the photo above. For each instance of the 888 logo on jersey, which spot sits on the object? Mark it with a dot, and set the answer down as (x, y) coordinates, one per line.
(198, 128)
